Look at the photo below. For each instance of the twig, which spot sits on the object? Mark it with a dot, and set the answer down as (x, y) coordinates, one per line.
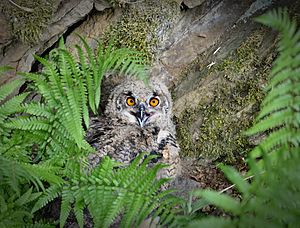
(231, 186)
(29, 10)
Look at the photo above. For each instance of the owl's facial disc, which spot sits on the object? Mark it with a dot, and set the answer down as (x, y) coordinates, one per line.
(140, 109)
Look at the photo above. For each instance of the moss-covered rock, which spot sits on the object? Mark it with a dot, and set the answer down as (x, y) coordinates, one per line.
(28, 18)
(214, 128)
(143, 25)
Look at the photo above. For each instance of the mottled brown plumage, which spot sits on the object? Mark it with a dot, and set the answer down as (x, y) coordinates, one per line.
(138, 118)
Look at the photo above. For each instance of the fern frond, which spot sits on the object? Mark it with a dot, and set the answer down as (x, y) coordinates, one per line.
(88, 80)
(93, 85)
(115, 208)
(67, 199)
(43, 87)
(78, 210)
(108, 194)
(50, 194)
(281, 90)
(12, 106)
(281, 108)
(44, 172)
(276, 119)
(108, 59)
(27, 197)
(14, 208)
(53, 77)
(277, 104)
(132, 210)
(271, 200)
(31, 123)
(9, 106)
(277, 140)
(8, 88)
(14, 174)
(236, 178)
(5, 69)
(56, 131)
(80, 93)
(38, 109)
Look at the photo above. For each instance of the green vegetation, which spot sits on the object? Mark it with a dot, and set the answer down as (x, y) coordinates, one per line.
(44, 154)
(272, 198)
(140, 25)
(43, 151)
(108, 192)
(28, 24)
(236, 99)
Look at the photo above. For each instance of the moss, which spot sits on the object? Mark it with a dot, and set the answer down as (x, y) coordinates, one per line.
(220, 123)
(244, 58)
(140, 24)
(27, 26)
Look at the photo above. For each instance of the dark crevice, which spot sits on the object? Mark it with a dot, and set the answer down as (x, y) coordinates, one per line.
(183, 7)
(36, 66)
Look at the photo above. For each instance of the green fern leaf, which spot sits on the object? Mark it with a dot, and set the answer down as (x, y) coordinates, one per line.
(53, 77)
(8, 88)
(30, 123)
(223, 201)
(51, 193)
(115, 208)
(211, 222)
(277, 104)
(65, 207)
(89, 84)
(27, 197)
(44, 172)
(283, 75)
(43, 87)
(275, 119)
(12, 174)
(94, 65)
(5, 68)
(78, 210)
(38, 109)
(242, 185)
(134, 206)
(282, 89)
(11, 106)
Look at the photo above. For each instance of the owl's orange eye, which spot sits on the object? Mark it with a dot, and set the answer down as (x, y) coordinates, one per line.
(130, 101)
(154, 101)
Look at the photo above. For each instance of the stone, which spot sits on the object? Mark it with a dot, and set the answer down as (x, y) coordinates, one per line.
(193, 3)
(93, 28)
(5, 31)
(194, 34)
(101, 5)
(20, 56)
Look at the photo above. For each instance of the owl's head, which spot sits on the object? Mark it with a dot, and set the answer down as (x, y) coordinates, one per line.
(139, 104)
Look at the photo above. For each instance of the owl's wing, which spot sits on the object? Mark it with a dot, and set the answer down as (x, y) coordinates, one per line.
(97, 136)
(98, 127)
(169, 151)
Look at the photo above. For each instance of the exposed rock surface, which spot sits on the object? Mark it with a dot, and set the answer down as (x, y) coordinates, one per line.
(5, 33)
(193, 3)
(20, 56)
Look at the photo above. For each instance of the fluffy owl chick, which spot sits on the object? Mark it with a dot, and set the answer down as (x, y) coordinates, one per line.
(138, 118)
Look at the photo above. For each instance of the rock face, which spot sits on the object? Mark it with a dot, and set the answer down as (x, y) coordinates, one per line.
(210, 53)
(20, 55)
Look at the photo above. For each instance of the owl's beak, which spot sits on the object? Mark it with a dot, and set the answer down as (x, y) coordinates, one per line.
(141, 115)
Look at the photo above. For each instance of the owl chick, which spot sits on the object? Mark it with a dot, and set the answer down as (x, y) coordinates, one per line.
(137, 118)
